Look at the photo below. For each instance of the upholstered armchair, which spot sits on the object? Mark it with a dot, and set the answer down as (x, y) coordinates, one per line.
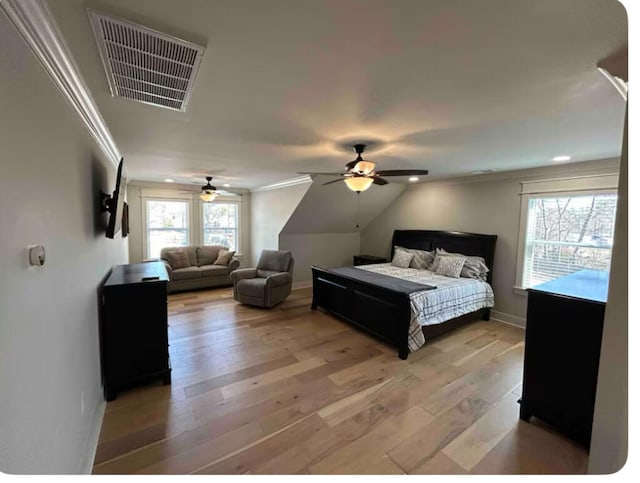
(266, 285)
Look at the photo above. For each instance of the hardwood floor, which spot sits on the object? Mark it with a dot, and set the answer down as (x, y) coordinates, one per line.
(290, 390)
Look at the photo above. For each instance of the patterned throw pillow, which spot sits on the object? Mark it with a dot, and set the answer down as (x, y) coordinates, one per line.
(178, 259)
(402, 259)
(474, 267)
(450, 266)
(224, 257)
(421, 259)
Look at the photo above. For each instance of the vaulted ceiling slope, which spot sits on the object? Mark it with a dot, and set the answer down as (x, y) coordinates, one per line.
(335, 209)
(287, 85)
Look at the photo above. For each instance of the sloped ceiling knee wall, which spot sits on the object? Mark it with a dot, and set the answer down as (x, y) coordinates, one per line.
(322, 229)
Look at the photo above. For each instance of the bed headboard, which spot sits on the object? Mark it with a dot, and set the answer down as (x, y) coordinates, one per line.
(472, 244)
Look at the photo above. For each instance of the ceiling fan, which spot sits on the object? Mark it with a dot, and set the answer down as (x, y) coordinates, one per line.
(359, 174)
(208, 191)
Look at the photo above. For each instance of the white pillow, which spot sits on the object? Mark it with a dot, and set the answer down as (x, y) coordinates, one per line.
(401, 259)
(450, 266)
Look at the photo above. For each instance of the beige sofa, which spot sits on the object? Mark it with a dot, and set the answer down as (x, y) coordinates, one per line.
(202, 273)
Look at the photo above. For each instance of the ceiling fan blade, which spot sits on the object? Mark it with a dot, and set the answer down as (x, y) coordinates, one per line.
(380, 181)
(327, 174)
(333, 181)
(351, 164)
(403, 172)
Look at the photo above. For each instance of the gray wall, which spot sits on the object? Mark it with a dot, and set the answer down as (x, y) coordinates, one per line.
(609, 438)
(51, 398)
(325, 250)
(334, 208)
(137, 191)
(322, 229)
(485, 204)
(270, 211)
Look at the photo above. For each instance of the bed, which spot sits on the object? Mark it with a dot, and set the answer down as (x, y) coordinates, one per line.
(383, 307)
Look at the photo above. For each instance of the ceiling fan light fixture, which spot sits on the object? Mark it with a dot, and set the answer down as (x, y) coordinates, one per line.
(207, 196)
(358, 183)
(365, 167)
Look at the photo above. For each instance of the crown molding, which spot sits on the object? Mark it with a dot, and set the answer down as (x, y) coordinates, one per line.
(569, 170)
(37, 26)
(285, 184)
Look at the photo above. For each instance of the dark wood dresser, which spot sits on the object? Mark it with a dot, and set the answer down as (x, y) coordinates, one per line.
(133, 327)
(562, 351)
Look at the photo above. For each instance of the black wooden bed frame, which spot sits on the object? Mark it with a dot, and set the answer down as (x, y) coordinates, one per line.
(384, 312)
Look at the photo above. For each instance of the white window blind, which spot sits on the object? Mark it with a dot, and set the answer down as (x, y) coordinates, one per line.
(167, 225)
(566, 234)
(220, 224)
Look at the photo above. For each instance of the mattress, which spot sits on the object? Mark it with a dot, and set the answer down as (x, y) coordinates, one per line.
(451, 298)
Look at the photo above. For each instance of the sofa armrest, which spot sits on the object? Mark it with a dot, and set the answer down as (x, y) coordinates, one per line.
(169, 269)
(234, 264)
(237, 275)
(278, 279)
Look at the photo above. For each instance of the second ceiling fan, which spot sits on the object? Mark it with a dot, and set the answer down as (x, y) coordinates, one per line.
(359, 174)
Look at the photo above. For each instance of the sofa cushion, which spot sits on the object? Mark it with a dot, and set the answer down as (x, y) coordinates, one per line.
(252, 287)
(186, 273)
(178, 259)
(207, 254)
(192, 254)
(274, 260)
(214, 271)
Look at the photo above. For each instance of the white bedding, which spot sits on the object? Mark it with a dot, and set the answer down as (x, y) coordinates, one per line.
(451, 298)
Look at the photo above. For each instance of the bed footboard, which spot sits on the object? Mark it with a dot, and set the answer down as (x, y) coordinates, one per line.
(380, 311)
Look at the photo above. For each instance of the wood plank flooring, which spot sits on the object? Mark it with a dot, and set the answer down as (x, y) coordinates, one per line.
(290, 390)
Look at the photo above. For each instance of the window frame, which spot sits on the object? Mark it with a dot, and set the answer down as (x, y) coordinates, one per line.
(238, 221)
(604, 183)
(145, 224)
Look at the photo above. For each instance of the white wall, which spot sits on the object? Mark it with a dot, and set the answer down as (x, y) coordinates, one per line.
(487, 204)
(51, 399)
(270, 211)
(610, 420)
(138, 191)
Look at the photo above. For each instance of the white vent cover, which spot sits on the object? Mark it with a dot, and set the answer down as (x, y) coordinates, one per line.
(145, 65)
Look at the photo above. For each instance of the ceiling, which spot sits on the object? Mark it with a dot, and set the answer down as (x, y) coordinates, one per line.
(288, 85)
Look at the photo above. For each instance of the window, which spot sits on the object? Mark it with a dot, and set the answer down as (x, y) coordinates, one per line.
(167, 225)
(566, 233)
(220, 224)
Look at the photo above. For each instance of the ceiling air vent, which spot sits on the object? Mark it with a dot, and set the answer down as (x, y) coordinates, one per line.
(145, 65)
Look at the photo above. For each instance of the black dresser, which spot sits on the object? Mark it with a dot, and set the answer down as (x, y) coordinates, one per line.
(562, 351)
(133, 327)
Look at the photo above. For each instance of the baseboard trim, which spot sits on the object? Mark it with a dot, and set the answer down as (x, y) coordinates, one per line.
(508, 319)
(92, 439)
(302, 284)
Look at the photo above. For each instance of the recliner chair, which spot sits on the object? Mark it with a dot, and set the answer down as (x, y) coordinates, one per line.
(266, 285)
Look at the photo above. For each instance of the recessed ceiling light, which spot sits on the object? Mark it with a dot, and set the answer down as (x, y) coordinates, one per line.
(562, 158)
(483, 171)
(226, 185)
(168, 180)
(413, 179)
